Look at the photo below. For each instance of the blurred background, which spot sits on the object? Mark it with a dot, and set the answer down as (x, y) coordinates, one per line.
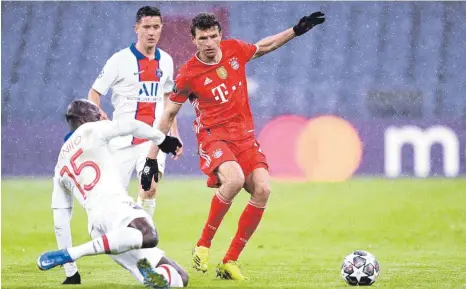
(378, 90)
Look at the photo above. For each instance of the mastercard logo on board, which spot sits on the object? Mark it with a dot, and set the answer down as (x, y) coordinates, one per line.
(325, 148)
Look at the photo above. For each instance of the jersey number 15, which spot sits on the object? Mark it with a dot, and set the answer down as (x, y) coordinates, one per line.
(77, 171)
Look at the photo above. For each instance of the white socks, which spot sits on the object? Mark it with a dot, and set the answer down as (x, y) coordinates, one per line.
(70, 269)
(147, 205)
(114, 242)
(171, 275)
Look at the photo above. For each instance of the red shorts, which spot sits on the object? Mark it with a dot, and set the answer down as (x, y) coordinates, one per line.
(247, 153)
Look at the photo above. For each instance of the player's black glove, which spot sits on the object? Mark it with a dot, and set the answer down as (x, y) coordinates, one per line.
(170, 145)
(75, 279)
(150, 170)
(307, 22)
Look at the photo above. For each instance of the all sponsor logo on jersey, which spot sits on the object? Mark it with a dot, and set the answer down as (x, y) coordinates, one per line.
(222, 72)
(159, 73)
(234, 63)
(147, 92)
(217, 153)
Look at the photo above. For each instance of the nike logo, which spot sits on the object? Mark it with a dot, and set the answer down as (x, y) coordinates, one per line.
(136, 73)
(46, 263)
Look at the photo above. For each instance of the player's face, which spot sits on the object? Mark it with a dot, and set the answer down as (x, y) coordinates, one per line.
(208, 41)
(148, 30)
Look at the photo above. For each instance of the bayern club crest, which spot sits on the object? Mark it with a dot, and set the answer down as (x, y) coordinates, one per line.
(217, 153)
(234, 63)
(159, 73)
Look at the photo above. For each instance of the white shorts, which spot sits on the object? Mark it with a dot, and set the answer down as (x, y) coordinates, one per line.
(133, 158)
(117, 216)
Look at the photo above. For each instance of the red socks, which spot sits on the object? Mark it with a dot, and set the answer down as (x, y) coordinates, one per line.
(247, 224)
(218, 208)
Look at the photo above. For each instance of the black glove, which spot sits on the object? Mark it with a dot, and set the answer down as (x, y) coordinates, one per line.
(75, 279)
(150, 170)
(170, 145)
(307, 22)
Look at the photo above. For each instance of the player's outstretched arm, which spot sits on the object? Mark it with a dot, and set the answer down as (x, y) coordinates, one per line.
(139, 129)
(273, 42)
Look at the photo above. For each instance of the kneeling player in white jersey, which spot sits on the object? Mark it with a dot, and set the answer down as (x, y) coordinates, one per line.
(141, 79)
(120, 228)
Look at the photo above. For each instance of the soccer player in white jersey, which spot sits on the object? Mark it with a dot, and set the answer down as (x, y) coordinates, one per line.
(141, 78)
(119, 227)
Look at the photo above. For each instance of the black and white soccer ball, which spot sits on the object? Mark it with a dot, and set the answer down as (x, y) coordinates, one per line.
(360, 268)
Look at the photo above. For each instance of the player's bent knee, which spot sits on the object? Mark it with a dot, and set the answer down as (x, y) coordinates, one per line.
(231, 176)
(150, 239)
(234, 181)
(261, 193)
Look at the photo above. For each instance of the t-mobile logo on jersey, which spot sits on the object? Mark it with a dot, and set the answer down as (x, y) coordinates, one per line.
(223, 92)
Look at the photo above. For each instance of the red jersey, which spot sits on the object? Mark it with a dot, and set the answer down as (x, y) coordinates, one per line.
(218, 92)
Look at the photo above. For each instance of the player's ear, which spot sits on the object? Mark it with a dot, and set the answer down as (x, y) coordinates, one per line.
(136, 26)
(194, 40)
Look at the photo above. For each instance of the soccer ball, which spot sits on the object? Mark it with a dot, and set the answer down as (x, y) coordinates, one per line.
(360, 268)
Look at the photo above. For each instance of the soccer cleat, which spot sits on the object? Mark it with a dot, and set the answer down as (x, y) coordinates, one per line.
(152, 279)
(75, 279)
(51, 259)
(230, 271)
(201, 258)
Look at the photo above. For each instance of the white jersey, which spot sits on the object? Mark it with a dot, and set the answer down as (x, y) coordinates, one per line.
(85, 166)
(138, 86)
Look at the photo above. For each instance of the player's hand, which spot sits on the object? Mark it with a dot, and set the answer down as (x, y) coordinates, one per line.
(103, 114)
(149, 172)
(179, 152)
(170, 145)
(308, 22)
(75, 279)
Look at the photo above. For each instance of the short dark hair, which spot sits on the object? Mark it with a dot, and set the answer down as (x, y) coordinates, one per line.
(148, 11)
(81, 111)
(204, 21)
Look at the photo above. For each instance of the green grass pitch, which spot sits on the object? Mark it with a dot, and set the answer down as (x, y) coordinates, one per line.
(415, 228)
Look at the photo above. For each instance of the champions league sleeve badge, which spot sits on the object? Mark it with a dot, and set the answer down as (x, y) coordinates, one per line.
(159, 73)
(222, 72)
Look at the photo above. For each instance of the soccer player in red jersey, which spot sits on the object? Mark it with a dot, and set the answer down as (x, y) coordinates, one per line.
(214, 81)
